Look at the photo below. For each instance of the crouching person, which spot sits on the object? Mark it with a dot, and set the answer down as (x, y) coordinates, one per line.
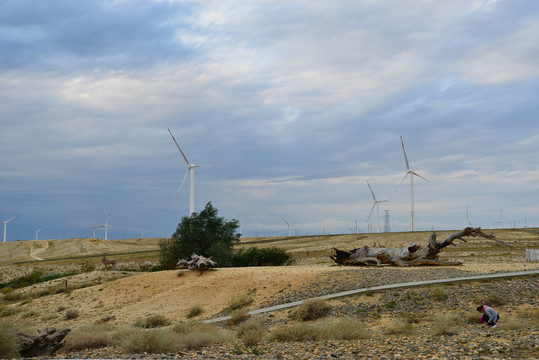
(490, 317)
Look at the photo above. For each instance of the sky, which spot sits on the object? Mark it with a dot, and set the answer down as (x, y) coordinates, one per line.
(293, 105)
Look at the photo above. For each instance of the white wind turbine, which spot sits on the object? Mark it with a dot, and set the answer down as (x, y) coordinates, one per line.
(288, 224)
(411, 173)
(190, 168)
(468, 223)
(499, 221)
(376, 202)
(106, 226)
(5, 226)
(36, 231)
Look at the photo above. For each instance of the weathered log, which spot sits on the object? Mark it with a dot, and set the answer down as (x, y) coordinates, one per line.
(46, 342)
(196, 262)
(413, 255)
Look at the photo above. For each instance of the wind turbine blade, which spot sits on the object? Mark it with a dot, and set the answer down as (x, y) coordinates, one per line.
(404, 178)
(184, 157)
(416, 174)
(108, 217)
(285, 221)
(372, 209)
(183, 181)
(374, 197)
(405, 158)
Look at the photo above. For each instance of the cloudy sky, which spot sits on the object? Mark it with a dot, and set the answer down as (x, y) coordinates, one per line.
(295, 104)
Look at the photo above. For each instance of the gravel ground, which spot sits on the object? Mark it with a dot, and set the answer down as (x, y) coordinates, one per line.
(516, 337)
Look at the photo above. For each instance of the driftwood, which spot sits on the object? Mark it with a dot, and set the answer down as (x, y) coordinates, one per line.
(196, 262)
(46, 342)
(413, 255)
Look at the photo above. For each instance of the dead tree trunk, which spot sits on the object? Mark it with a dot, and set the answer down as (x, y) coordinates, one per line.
(46, 342)
(413, 255)
(196, 262)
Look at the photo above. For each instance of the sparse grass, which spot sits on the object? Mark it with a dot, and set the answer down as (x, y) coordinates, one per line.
(198, 335)
(9, 343)
(240, 302)
(251, 332)
(72, 314)
(152, 321)
(90, 336)
(344, 329)
(311, 310)
(9, 310)
(400, 327)
(493, 300)
(155, 341)
(194, 311)
(446, 324)
(438, 293)
(238, 316)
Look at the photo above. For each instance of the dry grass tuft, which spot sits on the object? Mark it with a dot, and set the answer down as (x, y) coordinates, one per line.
(155, 341)
(311, 310)
(343, 329)
(400, 327)
(9, 343)
(240, 302)
(90, 336)
(152, 321)
(198, 335)
(238, 316)
(194, 311)
(252, 331)
(446, 324)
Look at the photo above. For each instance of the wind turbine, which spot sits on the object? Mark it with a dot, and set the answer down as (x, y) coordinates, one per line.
(106, 226)
(500, 221)
(36, 231)
(376, 202)
(288, 224)
(411, 173)
(468, 223)
(5, 226)
(190, 168)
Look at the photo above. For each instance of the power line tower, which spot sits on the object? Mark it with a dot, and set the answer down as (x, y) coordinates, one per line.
(387, 227)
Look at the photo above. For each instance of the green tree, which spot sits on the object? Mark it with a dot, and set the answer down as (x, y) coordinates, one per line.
(202, 233)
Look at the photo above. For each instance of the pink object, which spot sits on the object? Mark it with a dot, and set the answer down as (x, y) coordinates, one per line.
(481, 320)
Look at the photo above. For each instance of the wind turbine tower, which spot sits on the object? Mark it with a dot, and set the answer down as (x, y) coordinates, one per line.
(376, 202)
(468, 223)
(4, 239)
(411, 173)
(36, 231)
(106, 226)
(190, 169)
(387, 227)
(288, 224)
(499, 221)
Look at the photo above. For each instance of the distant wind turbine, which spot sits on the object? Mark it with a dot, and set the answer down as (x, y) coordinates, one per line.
(106, 226)
(190, 168)
(376, 202)
(468, 223)
(5, 226)
(411, 173)
(288, 224)
(499, 221)
(36, 231)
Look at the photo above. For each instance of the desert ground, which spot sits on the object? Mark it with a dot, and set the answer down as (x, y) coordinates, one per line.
(120, 297)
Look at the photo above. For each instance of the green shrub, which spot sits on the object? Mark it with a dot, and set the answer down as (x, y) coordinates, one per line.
(261, 257)
(9, 343)
(155, 341)
(152, 321)
(251, 332)
(295, 332)
(29, 279)
(9, 310)
(311, 310)
(90, 337)
(87, 266)
(194, 311)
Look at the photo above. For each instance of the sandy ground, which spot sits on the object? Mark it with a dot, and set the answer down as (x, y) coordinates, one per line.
(172, 293)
